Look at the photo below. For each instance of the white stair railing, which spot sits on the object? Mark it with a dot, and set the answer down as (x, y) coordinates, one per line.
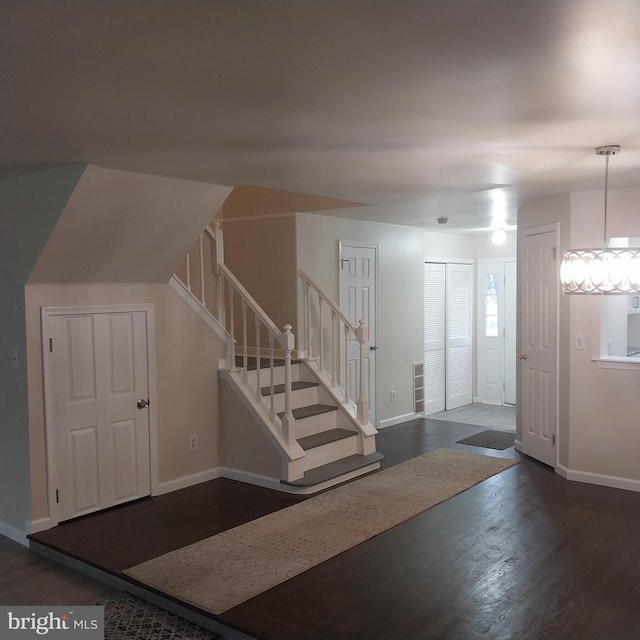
(328, 332)
(221, 294)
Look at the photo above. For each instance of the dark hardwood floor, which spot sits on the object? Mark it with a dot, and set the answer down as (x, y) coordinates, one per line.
(525, 554)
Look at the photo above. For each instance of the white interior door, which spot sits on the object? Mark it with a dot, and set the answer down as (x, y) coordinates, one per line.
(96, 371)
(539, 357)
(434, 337)
(459, 321)
(358, 300)
(510, 358)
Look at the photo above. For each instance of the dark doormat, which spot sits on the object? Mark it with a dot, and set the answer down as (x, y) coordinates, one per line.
(490, 440)
(128, 618)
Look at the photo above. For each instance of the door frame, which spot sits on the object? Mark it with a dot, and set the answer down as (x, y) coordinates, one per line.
(49, 312)
(372, 339)
(554, 228)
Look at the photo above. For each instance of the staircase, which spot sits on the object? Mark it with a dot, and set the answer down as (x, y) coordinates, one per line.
(295, 412)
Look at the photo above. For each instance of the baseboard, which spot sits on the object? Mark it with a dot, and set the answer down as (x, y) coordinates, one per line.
(14, 534)
(517, 445)
(187, 481)
(390, 422)
(251, 478)
(597, 478)
(41, 524)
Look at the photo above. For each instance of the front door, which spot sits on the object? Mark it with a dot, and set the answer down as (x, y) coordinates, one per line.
(539, 356)
(358, 300)
(96, 386)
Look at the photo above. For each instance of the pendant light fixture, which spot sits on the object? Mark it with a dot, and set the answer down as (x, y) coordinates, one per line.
(602, 270)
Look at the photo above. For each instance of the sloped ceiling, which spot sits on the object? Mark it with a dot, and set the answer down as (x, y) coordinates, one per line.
(126, 227)
(417, 108)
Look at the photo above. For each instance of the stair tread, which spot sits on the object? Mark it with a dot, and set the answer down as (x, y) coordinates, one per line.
(279, 388)
(310, 410)
(265, 363)
(334, 469)
(324, 437)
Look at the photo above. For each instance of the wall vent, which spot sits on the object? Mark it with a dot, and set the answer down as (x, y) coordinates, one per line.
(418, 387)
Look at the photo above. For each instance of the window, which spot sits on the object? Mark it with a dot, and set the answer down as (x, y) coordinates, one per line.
(491, 305)
(621, 319)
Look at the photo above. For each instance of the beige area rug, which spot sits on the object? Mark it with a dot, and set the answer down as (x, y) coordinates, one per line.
(224, 570)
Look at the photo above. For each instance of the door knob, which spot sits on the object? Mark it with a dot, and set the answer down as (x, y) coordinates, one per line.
(373, 347)
(142, 403)
(522, 356)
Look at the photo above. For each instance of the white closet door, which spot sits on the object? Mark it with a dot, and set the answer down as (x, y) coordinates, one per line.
(434, 338)
(459, 360)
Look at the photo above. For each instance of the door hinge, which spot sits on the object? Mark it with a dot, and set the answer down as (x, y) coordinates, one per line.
(504, 386)
(553, 438)
(343, 260)
(553, 252)
(50, 345)
(57, 497)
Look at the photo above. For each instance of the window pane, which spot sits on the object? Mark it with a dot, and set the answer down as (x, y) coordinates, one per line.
(491, 306)
(491, 285)
(491, 327)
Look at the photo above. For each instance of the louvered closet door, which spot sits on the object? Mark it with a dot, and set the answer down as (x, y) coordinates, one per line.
(434, 338)
(459, 326)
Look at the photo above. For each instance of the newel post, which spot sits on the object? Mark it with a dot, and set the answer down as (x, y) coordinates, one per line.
(362, 335)
(288, 345)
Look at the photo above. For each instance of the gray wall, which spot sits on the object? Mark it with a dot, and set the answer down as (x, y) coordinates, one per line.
(29, 208)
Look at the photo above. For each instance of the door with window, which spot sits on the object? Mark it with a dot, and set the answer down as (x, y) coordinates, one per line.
(496, 331)
(97, 399)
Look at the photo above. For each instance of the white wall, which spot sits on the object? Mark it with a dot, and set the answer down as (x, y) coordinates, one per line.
(400, 293)
(604, 427)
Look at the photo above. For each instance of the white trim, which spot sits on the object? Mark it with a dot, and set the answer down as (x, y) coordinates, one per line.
(14, 534)
(193, 303)
(188, 481)
(41, 524)
(609, 362)
(251, 478)
(390, 422)
(148, 309)
(615, 482)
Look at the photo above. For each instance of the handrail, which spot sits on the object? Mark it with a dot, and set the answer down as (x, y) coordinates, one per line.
(225, 314)
(346, 319)
(341, 330)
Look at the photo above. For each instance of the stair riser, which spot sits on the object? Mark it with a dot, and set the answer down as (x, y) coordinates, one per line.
(278, 376)
(315, 424)
(330, 452)
(299, 398)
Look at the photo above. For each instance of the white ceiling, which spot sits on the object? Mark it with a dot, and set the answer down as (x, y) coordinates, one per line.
(418, 108)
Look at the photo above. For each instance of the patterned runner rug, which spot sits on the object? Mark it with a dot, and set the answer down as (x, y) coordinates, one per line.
(224, 570)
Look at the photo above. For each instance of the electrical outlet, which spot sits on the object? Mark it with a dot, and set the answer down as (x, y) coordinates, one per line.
(393, 396)
(193, 443)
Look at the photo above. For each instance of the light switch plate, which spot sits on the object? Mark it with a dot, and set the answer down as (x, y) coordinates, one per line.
(579, 341)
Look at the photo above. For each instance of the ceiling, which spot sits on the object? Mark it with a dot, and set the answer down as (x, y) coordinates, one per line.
(416, 108)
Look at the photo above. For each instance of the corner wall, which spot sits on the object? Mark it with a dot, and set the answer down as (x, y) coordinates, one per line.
(30, 206)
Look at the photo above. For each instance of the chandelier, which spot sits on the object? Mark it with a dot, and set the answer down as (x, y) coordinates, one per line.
(602, 270)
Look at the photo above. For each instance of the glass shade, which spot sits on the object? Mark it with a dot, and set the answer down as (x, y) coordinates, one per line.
(598, 271)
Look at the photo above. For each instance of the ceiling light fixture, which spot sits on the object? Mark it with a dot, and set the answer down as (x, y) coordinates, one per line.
(499, 236)
(603, 270)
